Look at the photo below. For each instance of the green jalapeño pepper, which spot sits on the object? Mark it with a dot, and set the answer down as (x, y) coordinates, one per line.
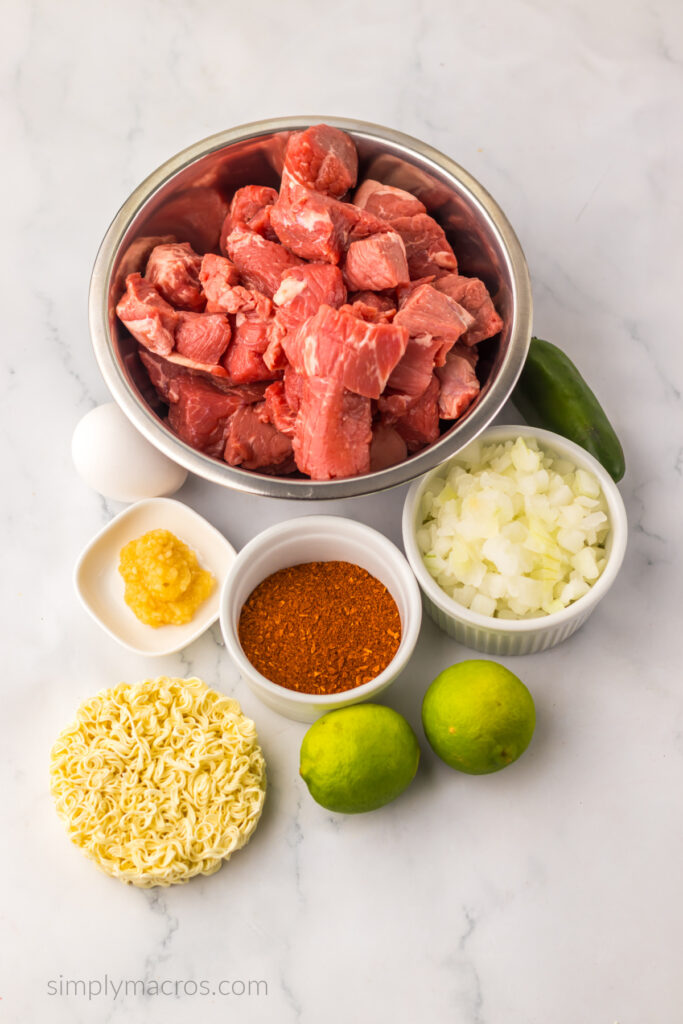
(551, 393)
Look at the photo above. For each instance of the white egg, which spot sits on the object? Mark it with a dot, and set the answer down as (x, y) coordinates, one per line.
(116, 460)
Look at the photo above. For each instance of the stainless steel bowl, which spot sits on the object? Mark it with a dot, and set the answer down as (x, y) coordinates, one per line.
(183, 197)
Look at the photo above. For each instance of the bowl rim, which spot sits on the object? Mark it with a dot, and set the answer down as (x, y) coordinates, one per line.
(218, 472)
(365, 535)
(619, 531)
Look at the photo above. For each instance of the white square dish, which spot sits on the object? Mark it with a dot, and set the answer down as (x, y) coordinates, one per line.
(101, 588)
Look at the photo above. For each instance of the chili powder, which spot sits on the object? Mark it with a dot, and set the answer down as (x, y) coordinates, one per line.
(320, 627)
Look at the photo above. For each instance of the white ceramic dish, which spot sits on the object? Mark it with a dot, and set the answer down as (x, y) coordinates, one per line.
(101, 588)
(319, 539)
(523, 636)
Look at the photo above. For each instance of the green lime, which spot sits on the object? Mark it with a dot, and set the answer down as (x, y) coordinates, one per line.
(358, 758)
(478, 716)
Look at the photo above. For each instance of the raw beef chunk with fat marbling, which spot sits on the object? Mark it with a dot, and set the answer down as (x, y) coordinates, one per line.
(376, 263)
(148, 317)
(203, 337)
(472, 294)
(244, 359)
(218, 277)
(385, 201)
(312, 225)
(173, 269)
(459, 383)
(250, 208)
(254, 443)
(260, 263)
(428, 311)
(427, 249)
(411, 377)
(303, 290)
(340, 347)
(322, 159)
(200, 412)
(279, 411)
(301, 293)
(243, 365)
(419, 426)
(332, 431)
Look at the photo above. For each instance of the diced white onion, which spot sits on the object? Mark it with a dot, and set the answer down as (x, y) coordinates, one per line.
(512, 531)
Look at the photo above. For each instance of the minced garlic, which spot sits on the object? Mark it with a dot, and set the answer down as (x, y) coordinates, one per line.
(164, 582)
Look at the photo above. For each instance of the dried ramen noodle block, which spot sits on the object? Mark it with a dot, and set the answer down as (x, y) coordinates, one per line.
(159, 781)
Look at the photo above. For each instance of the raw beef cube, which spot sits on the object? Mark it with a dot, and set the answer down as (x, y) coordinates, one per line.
(301, 293)
(459, 384)
(376, 263)
(252, 330)
(173, 269)
(148, 317)
(427, 311)
(248, 204)
(243, 300)
(162, 374)
(387, 447)
(218, 277)
(338, 346)
(252, 442)
(312, 225)
(199, 413)
(412, 375)
(260, 263)
(203, 337)
(366, 224)
(332, 432)
(135, 256)
(280, 414)
(387, 202)
(250, 208)
(427, 248)
(244, 364)
(472, 295)
(240, 300)
(420, 424)
(304, 289)
(323, 159)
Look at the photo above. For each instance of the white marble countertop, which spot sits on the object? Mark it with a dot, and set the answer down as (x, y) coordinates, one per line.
(549, 893)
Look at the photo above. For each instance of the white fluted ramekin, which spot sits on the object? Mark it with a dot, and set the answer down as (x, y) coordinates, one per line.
(319, 539)
(517, 636)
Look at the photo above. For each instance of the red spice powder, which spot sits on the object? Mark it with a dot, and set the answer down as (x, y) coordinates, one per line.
(320, 627)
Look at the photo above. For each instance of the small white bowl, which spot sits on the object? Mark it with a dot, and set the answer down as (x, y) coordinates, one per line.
(522, 636)
(101, 588)
(319, 539)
